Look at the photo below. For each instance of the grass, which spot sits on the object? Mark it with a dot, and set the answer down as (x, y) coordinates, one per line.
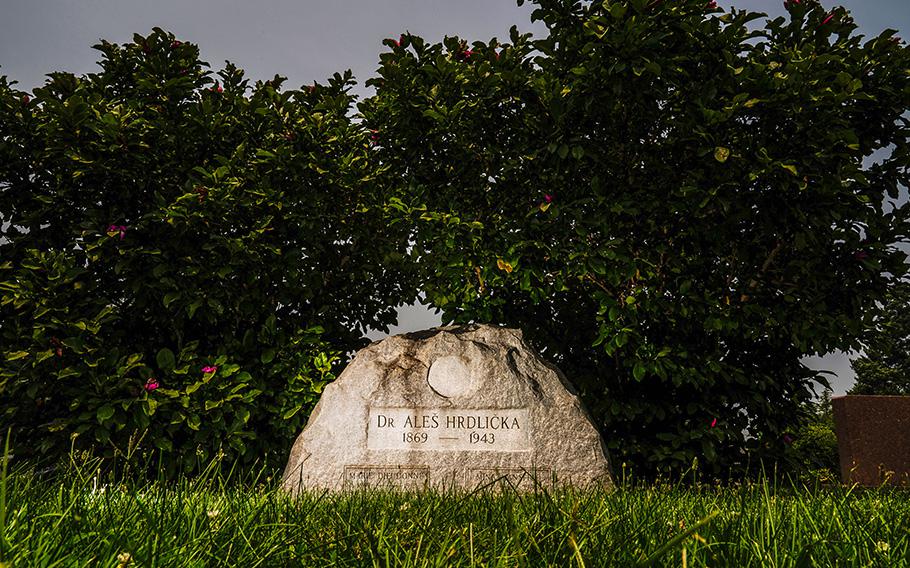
(68, 519)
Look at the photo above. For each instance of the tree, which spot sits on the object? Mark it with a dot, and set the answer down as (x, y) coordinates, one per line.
(184, 256)
(885, 366)
(673, 206)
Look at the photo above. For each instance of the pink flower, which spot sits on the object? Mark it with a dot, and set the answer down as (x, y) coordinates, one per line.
(713, 423)
(548, 198)
(374, 135)
(151, 384)
(209, 369)
(712, 5)
(115, 229)
(828, 19)
(176, 43)
(25, 99)
(861, 255)
(396, 43)
(217, 88)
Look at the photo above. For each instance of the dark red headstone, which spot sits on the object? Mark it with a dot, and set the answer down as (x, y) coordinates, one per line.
(873, 439)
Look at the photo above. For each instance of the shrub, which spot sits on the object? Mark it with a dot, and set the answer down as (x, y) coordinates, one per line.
(185, 257)
(814, 449)
(674, 204)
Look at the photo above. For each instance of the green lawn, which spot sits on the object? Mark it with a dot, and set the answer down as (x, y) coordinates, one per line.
(66, 519)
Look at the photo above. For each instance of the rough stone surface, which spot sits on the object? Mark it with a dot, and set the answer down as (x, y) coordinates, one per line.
(452, 407)
(873, 439)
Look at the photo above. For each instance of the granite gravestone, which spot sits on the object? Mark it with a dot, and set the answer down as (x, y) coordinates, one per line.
(873, 439)
(452, 407)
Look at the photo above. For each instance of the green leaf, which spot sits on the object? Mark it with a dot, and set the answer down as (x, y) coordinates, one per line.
(104, 412)
(166, 360)
(618, 10)
(267, 356)
(68, 372)
(149, 406)
(435, 115)
(191, 309)
(228, 369)
(169, 298)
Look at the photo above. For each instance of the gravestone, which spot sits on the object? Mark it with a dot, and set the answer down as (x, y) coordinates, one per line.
(452, 407)
(873, 439)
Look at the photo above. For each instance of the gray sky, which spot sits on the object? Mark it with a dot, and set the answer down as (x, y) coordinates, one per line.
(306, 40)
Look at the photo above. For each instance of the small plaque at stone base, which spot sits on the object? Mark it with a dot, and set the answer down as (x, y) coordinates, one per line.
(363, 476)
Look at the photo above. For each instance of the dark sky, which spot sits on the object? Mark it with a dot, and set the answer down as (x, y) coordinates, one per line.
(305, 40)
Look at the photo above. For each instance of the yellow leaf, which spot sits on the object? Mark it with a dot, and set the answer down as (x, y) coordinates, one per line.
(544, 207)
(721, 154)
(12, 356)
(503, 265)
(751, 103)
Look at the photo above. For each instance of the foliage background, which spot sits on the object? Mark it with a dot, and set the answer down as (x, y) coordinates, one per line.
(183, 256)
(593, 193)
(673, 203)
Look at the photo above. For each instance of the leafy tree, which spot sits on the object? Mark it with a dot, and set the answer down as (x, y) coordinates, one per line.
(885, 366)
(672, 202)
(184, 256)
